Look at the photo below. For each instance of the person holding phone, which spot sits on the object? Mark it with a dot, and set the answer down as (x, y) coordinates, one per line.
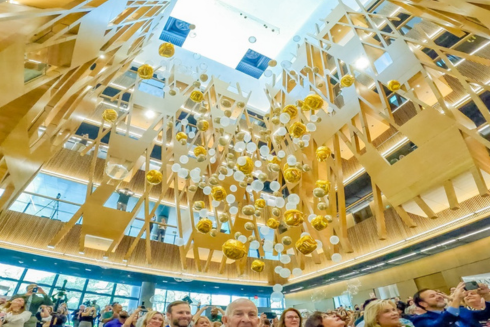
(476, 312)
(14, 314)
(34, 298)
(87, 317)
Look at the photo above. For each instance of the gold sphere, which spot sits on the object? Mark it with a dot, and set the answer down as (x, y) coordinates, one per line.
(202, 185)
(196, 96)
(243, 184)
(109, 115)
(328, 218)
(223, 141)
(272, 63)
(319, 223)
(306, 168)
(202, 125)
(262, 177)
(248, 210)
(291, 110)
(213, 181)
(226, 103)
(237, 235)
(260, 203)
(293, 217)
(306, 244)
(204, 225)
(199, 150)
(145, 71)
(218, 193)
(323, 184)
(196, 84)
(275, 120)
(249, 226)
(154, 177)
(286, 240)
(257, 213)
(166, 50)
(292, 174)
(201, 158)
(199, 205)
(251, 238)
(172, 92)
(297, 129)
(312, 102)
(224, 217)
(318, 192)
(347, 80)
(301, 144)
(227, 113)
(240, 104)
(276, 212)
(272, 223)
(258, 266)
(203, 77)
(223, 170)
(181, 136)
(322, 206)
(192, 188)
(213, 232)
(234, 249)
(246, 168)
(394, 85)
(323, 153)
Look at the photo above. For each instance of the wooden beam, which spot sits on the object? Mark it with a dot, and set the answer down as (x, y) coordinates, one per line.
(451, 195)
(425, 207)
(379, 212)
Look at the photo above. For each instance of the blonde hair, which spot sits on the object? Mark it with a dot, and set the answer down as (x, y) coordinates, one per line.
(372, 311)
(203, 317)
(9, 304)
(150, 315)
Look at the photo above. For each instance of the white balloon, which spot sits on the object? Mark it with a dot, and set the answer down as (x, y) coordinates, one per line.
(297, 272)
(279, 247)
(224, 121)
(313, 118)
(280, 202)
(183, 172)
(281, 131)
(304, 234)
(212, 160)
(175, 167)
(215, 203)
(203, 213)
(254, 245)
(247, 137)
(296, 140)
(230, 198)
(229, 172)
(206, 190)
(239, 147)
(277, 297)
(270, 157)
(221, 177)
(306, 137)
(184, 122)
(281, 154)
(179, 241)
(251, 147)
(311, 217)
(277, 287)
(195, 173)
(242, 238)
(241, 161)
(249, 189)
(285, 273)
(264, 150)
(233, 188)
(239, 176)
(258, 163)
(285, 259)
(184, 159)
(291, 160)
(336, 257)
(311, 127)
(290, 206)
(264, 230)
(334, 239)
(306, 143)
(233, 210)
(212, 152)
(191, 135)
(271, 202)
(275, 186)
(268, 247)
(257, 185)
(319, 244)
(293, 198)
(284, 118)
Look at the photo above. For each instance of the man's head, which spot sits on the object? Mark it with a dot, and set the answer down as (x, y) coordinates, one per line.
(365, 304)
(82, 307)
(123, 315)
(116, 308)
(241, 313)
(179, 314)
(214, 311)
(429, 300)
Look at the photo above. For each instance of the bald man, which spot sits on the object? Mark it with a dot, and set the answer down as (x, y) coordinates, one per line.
(241, 313)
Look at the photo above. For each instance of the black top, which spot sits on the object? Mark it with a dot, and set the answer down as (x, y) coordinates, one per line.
(87, 318)
(60, 320)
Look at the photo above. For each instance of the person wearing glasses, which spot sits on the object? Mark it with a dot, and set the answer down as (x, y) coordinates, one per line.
(290, 317)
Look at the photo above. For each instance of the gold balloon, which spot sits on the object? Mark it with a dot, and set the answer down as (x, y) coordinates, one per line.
(275, 160)
(166, 50)
(224, 217)
(258, 266)
(234, 249)
(249, 226)
(312, 102)
(218, 193)
(203, 77)
(226, 103)
(240, 104)
(323, 153)
(319, 192)
(262, 177)
(306, 168)
(258, 213)
(248, 210)
(394, 85)
(286, 240)
(199, 150)
(297, 129)
(181, 137)
(323, 184)
(199, 205)
(347, 80)
(197, 96)
(237, 235)
(276, 212)
(204, 225)
(192, 188)
(319, 223)
(322, 206)
(248, 167)
(213, 232)
(145, 71)
(251, 238)
(293, 217)
(202, 125)
(243, 184)
(275, 120)
(260, 203)
(291, 110)
(292, 174)
(196, 84)
(306, 244)
(154, 177)
(109, 115)
(213, 181)
(328, 218)
(272, 63)
(272, 223)
(172, 92)
(223, 141)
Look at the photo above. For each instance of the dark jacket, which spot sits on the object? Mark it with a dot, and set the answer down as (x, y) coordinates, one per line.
(435, 319)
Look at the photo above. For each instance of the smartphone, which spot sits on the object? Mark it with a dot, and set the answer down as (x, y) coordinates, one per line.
(34, 290)
(469, 286)
(270, 315)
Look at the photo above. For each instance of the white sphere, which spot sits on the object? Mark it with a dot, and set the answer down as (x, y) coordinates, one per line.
(271, 202)
(215, 203)
(285, 259)
(336, 257)
(275, 186)
(319, 244)
(239, 176)
(195, 173)
(293, 198)
(224, 121)
(311, 217)
(229, 172)
(257, 185)
(212, 152)
(184, 159)
(281, 154)
(284, 118)
(179, 241)
(277, 287)
(203, 213)
(268, 247)
(233, 188)
(254, 245)
(247, 137)
(264, 230)
(241, 161)
(311, 127)
(206, 190)
(249, 189)
(221, 177)
(290, 206)
(239, 147)
(279, 247)
(306, 143)
(230, 198)
(280, 202)
(258, 163)
(285, 273)
(264, 150)
(291, 160)
(313, 118)
(306, 137)
(297, 272)
(277, 270)
(334, 239)
(304, 234)
(281, 131)
(233, 210)
(175, 167)
(277, 297)
(251, 147)
(183, 172)
(191, 135)
(212, 160)
(243, 239)
(184, 122)
(296, 140)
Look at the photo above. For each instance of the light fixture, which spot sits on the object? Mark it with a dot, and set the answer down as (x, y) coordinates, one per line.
(362, 63)
(150, 114)
(402, 257)
(102, 57)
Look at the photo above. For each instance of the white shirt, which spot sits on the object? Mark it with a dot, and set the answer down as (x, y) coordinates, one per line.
(16, 320)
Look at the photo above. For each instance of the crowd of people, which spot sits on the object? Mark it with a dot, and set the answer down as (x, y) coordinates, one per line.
(463, 307)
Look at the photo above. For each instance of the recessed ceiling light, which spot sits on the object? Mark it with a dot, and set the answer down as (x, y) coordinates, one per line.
(252, 39)
(150, 114)
(362, 63)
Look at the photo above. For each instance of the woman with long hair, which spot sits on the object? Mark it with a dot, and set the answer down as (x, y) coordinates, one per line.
(87, 317)
(321, 319)
(153, 319)
(384, 313)
(14, 313)
(290, 317)
(203, 321)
